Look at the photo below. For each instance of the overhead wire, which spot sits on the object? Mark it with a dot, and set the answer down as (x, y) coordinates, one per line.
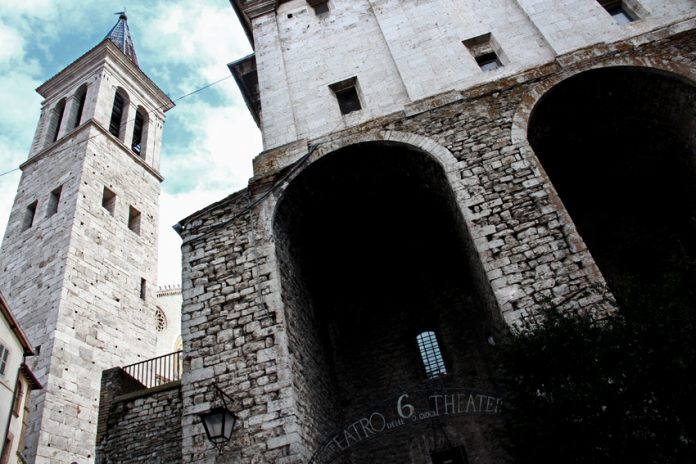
(207, 86)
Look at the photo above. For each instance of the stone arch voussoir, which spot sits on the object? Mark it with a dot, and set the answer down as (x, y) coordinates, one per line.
(409, 140)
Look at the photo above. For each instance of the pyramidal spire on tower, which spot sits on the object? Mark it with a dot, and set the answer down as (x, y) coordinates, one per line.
(120, 35)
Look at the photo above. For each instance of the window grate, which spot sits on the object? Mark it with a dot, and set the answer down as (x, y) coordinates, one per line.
(430, 354)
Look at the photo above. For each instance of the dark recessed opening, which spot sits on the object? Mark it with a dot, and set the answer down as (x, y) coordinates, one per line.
(54, 201)
(321, 8)
(29, 215)
(373, 251)
(134, 220)
(139, 131)
(618, 11)
(109, 201)
(118, 111)
(618, 145)
(348, 100)
(488, 61)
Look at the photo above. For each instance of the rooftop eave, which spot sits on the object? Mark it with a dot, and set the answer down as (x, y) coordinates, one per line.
(14, 326)
(239, 69)
(247, 10)
(34, 383)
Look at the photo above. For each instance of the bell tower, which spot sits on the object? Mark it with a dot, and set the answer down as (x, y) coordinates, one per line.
(79, 257)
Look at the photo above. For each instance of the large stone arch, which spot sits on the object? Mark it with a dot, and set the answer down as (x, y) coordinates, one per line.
(373, 248)
(604, 138)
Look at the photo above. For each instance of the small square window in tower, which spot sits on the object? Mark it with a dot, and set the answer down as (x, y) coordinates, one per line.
(485, 51)
(320, 6)
(54, 201)
(619, 10)
(431, 355)
(456, 455)
(29, 215)
(346, 93)
(134, 220)
(109, 201)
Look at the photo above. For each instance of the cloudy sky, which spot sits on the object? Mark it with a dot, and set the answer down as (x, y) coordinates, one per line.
(182, 45)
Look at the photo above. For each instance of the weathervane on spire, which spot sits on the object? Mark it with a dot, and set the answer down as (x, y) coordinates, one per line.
(120, 35)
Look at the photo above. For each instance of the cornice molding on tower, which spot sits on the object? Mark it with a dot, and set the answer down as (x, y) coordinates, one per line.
(247, 10)
(95, 58)
(70, 138)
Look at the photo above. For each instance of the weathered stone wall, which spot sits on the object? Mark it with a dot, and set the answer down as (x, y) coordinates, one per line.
(313, 376)
(235, 290)
(233, 335)
(144, 426)
(114, 382)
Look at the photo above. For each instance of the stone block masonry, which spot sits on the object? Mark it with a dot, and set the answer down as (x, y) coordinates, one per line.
(238, 330)
(79, 266)
(140, 425)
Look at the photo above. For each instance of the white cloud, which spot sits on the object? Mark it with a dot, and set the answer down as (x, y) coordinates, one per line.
(12, 44)
(202, 40)
(182, 46)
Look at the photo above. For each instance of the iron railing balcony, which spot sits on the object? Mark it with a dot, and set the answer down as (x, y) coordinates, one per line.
(157, 371)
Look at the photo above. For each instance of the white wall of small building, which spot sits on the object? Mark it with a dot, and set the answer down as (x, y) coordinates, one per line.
(169, 300)
(8, 383)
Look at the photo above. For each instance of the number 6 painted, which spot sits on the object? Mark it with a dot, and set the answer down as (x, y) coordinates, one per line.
(401, 408)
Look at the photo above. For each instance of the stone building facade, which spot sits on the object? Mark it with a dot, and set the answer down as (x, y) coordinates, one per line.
(79, 257)
(433, 172)
(168, 319)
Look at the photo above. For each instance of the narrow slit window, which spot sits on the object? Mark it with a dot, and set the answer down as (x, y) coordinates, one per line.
(109, 201)
(134, 220)
(138, 131)
(346, 93)
(29, 215)
(618, 10)
(57, 120)
(54, 201)
(117, 112)
(430, 354)
(143, 289)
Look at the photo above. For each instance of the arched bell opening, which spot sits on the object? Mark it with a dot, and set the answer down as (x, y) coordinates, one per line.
(618, 145)
(384, 295)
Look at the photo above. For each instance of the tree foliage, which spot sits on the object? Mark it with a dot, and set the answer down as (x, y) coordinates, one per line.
(616, 390)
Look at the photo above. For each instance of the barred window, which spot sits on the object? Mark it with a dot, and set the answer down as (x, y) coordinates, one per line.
(430, 354)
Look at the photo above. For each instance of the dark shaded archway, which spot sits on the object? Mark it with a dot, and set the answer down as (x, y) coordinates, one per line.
(618, 144)
(372, 251)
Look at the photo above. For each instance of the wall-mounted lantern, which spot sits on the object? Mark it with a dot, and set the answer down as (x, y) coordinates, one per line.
(219, 421)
